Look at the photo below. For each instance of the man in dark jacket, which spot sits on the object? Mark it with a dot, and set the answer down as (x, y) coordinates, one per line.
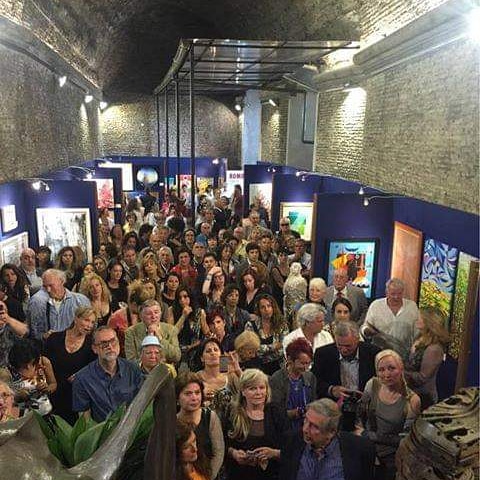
(322, 452)
(344, 366)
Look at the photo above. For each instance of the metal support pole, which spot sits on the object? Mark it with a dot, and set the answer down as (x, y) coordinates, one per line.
(158, 124)
(192, 127)
(167, 150)
(177, 119)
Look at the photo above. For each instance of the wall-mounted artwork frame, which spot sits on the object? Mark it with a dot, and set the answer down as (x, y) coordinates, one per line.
(358, 257)
(465, 303)
(127, 173)
(407, 258)
(263, 193)
(59, 227)
(301, 217)
(9, 218)
(439, 268)
(11, 248)
(105, 196)
(203, 183)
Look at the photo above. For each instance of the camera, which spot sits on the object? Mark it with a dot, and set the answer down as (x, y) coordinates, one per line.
(349, 410)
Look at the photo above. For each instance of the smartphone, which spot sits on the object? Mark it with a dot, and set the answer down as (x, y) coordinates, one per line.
(223, 364)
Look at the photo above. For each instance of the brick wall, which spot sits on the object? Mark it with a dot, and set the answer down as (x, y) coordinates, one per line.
(274, 131)
(382, 17)
(215, 124)
(42, 126)
(421, 130)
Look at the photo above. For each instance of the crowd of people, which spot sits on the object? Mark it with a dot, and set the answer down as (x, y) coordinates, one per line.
(278, 375)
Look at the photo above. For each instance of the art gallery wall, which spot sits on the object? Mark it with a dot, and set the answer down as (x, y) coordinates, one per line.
(116, 175)
(343, 216)
(14, 194)
(456, 229)
(290, 188)
(62, 194)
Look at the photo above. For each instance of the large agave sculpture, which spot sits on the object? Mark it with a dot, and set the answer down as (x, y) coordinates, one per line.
(24, 454)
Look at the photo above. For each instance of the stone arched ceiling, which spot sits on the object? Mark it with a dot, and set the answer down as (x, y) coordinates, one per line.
(126, 46)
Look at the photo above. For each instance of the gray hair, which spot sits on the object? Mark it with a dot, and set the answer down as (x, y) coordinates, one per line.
(54, 272)
(101, 329)
(147, 304)
(346, 328)
(309, 312)
(327, 408)
(395, 282)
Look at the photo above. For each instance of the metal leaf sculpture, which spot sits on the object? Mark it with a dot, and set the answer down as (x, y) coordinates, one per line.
(24, 453)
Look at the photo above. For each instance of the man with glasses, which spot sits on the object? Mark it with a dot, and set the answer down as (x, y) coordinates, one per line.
(320, 451)
(285, 232)
(104, 384)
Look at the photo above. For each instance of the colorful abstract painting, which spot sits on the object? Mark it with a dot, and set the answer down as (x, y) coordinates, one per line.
(105, 198)
(466, 281)
(301, 217)
(261, 193)
(438, 276)
(407, 258)
(358, 258)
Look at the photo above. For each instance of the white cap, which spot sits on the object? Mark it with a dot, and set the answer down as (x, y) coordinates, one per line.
(151, 340)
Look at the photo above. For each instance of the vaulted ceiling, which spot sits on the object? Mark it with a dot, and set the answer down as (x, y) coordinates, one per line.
(126, 46)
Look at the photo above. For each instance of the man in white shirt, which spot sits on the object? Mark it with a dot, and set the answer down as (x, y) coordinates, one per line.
(392, 316)
(28, 266)
(311, 318)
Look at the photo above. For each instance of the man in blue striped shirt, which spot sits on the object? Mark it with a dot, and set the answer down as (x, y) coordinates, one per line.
(323, 453)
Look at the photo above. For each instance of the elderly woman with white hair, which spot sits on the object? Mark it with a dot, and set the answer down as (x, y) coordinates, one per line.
(255, 430)
(7, 409)
(311, 319)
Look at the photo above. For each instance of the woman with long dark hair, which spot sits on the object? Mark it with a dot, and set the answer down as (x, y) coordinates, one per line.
(116, 284)
(14, 283)
(68, 263)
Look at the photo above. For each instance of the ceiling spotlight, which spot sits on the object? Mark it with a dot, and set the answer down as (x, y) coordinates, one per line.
(88, 98)
(473, 23)
(238, 107)
(311, 67)
(36, 185)
(272, 103)
(89, 176)
(274, 169)
(215, 161)
(297, 174)
(103, 105)
(161, 184)
(62, 81)
(303, 178)
(47, 187)
(366, 201)
(361, 191)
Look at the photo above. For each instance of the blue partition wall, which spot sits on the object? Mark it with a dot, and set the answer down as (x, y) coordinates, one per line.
(14, 194)
(62, 194)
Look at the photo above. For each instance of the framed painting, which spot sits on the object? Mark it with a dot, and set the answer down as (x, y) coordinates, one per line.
(358, 258)
(58, 227)
(9, 218)
(407, 258)
(105, 198)
(261, 193)
(11, 248)
(438, 277)
(203, 183)
(464, 303)
(301, 217)
(127, 173)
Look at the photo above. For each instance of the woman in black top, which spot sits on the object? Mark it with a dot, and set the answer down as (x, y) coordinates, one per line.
(69, 351)
(67, 262)
(117, 284)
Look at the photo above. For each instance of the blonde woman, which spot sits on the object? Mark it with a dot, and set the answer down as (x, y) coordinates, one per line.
(255, 430)
(95, 289)
(426, 355)
(388, 409)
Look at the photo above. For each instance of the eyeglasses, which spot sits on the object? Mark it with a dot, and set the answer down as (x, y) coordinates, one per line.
(107, 343)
